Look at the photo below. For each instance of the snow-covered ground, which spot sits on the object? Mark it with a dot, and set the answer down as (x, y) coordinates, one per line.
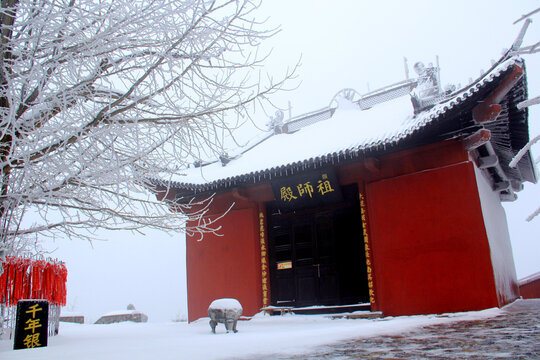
(288, 334)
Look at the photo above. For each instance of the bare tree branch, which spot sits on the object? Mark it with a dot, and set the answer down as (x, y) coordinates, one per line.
(529, 102)
(97, 97)
(527, 16)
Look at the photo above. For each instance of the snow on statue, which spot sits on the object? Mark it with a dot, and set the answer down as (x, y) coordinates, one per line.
(98, 97)
(225, 311)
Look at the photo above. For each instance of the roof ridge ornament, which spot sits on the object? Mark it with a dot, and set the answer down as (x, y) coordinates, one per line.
(428, 90)
(276, 122)
(345, 97)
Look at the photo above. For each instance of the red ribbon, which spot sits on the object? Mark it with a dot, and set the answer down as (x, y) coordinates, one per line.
(32, 279)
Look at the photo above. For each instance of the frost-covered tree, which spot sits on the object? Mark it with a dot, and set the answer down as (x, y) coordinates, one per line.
(519, 49)
(98, 96)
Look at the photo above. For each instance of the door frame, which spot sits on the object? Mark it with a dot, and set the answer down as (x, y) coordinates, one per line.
(349, 282)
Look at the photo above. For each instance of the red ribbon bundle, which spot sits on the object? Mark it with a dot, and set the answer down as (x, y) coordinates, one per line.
(32, 279)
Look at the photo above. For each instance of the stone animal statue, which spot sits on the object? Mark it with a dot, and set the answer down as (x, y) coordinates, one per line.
(225, 311)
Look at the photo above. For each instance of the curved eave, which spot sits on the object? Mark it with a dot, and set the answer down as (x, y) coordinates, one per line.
(448, 119)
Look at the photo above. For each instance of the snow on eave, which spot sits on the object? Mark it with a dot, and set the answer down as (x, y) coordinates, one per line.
(529, 279)
(468, 91)
(392, 139)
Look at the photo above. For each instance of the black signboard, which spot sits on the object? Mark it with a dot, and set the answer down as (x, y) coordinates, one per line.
(305, 190)
(31, 324)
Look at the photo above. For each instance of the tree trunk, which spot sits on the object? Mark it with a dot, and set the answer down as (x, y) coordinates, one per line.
(7, 19)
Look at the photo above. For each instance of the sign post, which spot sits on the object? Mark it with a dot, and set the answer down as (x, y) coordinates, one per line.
(31, 324)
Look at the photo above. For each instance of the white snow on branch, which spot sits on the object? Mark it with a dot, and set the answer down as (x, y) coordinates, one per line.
(99, 98)
(513, 163)
(529, 102)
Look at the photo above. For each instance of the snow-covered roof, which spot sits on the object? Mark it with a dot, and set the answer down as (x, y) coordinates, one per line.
(350, 133)
(529, 279)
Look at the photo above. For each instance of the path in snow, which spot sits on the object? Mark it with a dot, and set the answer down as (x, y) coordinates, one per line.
(514, 334)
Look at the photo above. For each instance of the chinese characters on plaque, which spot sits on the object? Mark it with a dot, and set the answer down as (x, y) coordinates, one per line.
(307, 190)
(31, 324)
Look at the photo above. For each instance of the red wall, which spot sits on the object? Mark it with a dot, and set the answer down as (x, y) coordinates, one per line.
(225, 266)
(530, 289)
(430, 249)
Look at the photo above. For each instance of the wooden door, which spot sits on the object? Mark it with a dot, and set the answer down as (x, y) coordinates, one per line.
(316, 256)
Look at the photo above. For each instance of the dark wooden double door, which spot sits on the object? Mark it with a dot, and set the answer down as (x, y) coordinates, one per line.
(317, 255)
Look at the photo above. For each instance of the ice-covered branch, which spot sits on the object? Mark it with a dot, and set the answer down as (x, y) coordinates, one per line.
(527, 16)
(513, 163)
(533, 215)
(527, 103)
(96, 98)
